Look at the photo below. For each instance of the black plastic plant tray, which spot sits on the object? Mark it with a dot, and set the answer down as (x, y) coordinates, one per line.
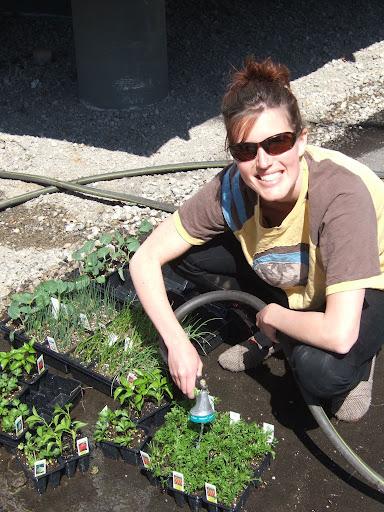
(129, 455)
(50, 391)
(197, 503)
(124, 291)
(74, 463)
(52, 478)
(10, 440)
(154, 419)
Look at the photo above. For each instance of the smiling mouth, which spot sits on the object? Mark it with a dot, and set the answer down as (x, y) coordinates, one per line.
(269, 177)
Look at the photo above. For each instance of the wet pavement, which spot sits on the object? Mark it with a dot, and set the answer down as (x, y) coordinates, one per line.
(307, 475)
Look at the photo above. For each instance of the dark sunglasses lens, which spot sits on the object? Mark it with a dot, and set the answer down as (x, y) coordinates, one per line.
(279, 144)
(244, 151)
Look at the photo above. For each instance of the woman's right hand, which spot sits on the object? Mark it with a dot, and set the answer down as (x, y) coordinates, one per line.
(185, 366)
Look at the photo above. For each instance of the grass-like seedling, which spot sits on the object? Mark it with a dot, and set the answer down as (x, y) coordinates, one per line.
(78, 313)
(226, 456)
(128, 343)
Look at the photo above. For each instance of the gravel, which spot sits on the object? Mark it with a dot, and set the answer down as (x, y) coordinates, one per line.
(337, 65)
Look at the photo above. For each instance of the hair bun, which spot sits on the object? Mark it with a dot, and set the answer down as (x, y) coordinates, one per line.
(264, 71)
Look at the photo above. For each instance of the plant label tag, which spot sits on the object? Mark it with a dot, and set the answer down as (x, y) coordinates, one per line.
(82, 446)
(234, 417)
(210, 493)
(112, 338)
(128, 343)
(55, 307)
(51, 343)
(212, 401)
(146, 459)
(270, 430)
(105, 408)
(131, 377)
(40, 364)
(178, 481)
(84, 321)
(19, 427)
(40, 468)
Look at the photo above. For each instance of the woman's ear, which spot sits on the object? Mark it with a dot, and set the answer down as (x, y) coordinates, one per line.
(302, 141)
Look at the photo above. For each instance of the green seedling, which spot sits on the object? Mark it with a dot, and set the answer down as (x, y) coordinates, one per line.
(115, 426)
(148, 386)
(226, 457)
(9, 412)
(19, 360)
(99, 257)
(8, 385)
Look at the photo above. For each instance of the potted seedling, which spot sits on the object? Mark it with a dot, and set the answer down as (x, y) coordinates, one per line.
(9, 386)
(146, 394)
(99, 258)
(228, 458)
(51, 448)
(23, 363)
(118, 436)
(13, 415)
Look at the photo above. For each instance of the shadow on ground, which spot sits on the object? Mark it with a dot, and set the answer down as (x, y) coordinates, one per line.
(206, 39)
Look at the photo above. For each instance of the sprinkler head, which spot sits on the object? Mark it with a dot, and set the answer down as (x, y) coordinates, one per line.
(202, 411)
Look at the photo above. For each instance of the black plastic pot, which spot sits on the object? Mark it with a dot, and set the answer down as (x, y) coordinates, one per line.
(129, 455)
(74, 463)
(155, 418)
(11, 440)
(52, 478)
(52, 390)
(196, 503)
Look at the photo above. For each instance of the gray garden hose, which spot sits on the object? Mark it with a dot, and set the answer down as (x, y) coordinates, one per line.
(53, 185)
(313, 404)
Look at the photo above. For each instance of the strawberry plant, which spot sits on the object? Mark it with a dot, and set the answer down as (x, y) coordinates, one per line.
(226, 455)
(151, 386)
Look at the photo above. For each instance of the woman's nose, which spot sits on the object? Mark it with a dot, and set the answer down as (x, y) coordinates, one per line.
(263, 160)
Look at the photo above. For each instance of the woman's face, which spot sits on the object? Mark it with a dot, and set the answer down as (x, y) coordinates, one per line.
(274, 178)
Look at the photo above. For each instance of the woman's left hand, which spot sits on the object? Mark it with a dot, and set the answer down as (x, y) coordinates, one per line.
(264, 321)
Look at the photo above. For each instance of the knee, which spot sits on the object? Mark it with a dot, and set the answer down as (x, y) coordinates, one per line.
(321, 373)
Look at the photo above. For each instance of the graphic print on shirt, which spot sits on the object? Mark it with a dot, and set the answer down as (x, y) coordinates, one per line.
(283, 267)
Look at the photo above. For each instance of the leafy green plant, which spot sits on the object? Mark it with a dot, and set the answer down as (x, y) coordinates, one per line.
(9, 411)
(25, 304)
(8, 385)
(116, 426)
(20, 360)
(45, 441)
(226, 455)
(100, 257)
(148, 386)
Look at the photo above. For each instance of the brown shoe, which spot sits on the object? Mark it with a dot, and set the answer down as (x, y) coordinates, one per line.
(245, 355)
(353, 405)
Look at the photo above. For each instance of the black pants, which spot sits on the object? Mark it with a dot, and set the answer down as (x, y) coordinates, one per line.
(221, 265)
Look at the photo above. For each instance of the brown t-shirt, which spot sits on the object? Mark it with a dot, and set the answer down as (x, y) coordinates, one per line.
(332, 240)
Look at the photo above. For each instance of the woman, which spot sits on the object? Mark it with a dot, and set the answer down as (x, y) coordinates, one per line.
(299, 226)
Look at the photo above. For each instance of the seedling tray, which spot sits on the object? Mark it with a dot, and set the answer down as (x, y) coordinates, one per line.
(50, 391)
(10, 440)
(52, 478)
(196, 502)
(129, 455)
(74, 463)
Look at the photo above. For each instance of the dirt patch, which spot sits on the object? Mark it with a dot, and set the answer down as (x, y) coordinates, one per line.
(42, 227)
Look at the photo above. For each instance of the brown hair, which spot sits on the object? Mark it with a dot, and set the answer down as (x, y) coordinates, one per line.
(259, 85)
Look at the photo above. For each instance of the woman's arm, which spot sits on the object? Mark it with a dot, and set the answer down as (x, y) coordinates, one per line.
(337, 329)
(163, 245)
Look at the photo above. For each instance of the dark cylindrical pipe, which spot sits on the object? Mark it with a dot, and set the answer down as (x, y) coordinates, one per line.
(121, 52)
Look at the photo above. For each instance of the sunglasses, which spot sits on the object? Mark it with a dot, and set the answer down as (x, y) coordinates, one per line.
(275, 145)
